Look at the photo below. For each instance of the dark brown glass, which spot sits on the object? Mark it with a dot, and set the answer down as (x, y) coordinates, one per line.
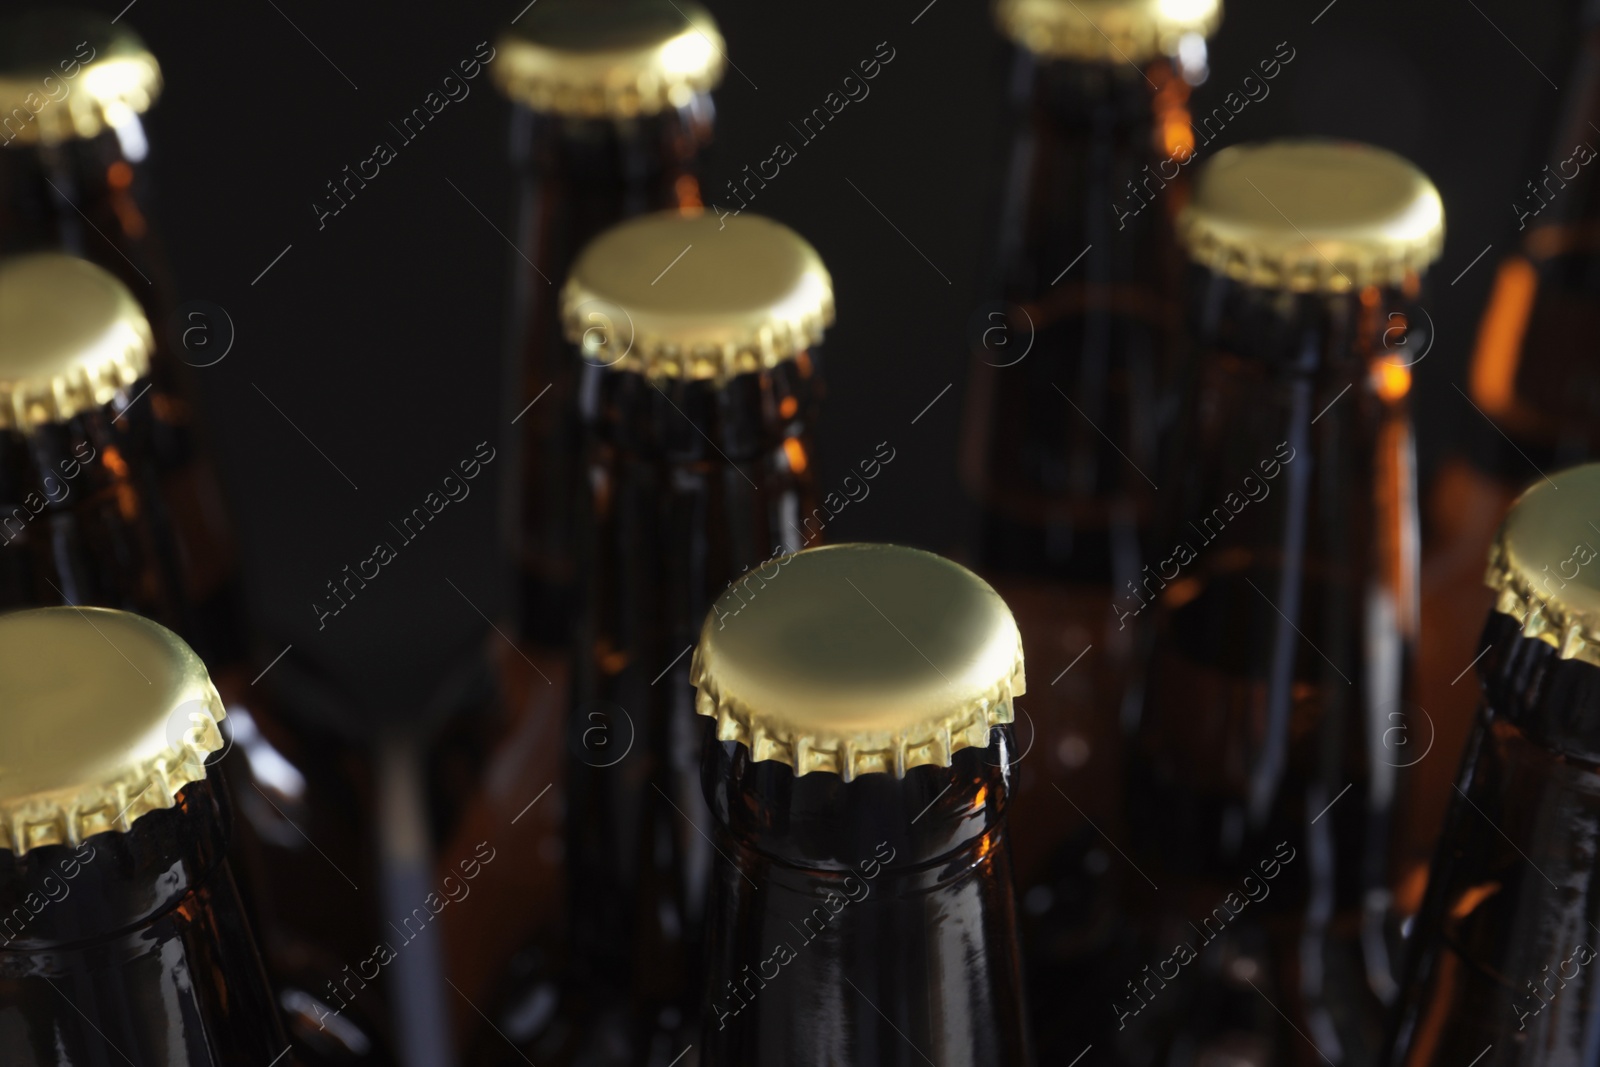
(77, 523)
(1535, 381)
(1501, 964)
(869, 922)
(690, 484)
(133, 947)
(1273, 724)
(576, 177)
(87, 197)
(1067, 398)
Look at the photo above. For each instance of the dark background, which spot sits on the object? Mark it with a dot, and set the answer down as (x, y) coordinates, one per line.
(380, 336)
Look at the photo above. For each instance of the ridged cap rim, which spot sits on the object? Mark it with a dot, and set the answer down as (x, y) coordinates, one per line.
(600, 60)
(858, 659)
(1553, 527)
(674, 295)
(109, 716)
(1313, 216)
(1105, 31)
(71, 337)
(121, 79)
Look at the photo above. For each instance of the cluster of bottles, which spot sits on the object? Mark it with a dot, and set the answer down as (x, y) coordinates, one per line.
(725, 797)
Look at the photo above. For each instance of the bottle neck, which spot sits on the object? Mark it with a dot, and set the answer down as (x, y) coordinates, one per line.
(1282, 592)
(1504, 950)
(835, 906)
(134, 940)
(1527, 372)
(62, 895)
(79, 195)
(81, 523)
(1084, 319)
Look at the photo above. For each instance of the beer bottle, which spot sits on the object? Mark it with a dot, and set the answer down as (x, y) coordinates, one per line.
(862, 903)
(1535, 385)
(1500, 968)
(696, 360)
(612, 108)
(73, 176)
(122, 938)
(1067, 397)
(1268, 754)
(79, 525)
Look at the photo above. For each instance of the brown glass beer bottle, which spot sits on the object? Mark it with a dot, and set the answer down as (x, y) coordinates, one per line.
(1067, 398)
(79, 525)
(1501, 966)
(122, 938)
(862, 905)
(696, 355)
(73, 178)
(1269, 749)
(1535, 385)
(612, 108)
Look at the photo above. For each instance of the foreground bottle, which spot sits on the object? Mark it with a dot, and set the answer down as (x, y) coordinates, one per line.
(1535, 383)
(862, 905)
(697, 341)
(73, 178)
(123, 935)
(613, 108)
(1284, 617)
(1067, 400)
(1501, 967)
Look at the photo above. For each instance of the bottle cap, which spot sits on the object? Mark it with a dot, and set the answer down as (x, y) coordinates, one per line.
(1545, 565)
(1105, 31)
(688, 295)
(71, 336)
(608, 59)
(858, 659)
(107, 716)
(1312, 216)
(67, 74)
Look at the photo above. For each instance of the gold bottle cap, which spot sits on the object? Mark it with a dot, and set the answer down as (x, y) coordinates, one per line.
(68, 74)
(71, 336)
(1105, 31)
(672, 295)
(107, 716)
(858, 658)
(608, 59)
(1545, 563)
(1313, 216)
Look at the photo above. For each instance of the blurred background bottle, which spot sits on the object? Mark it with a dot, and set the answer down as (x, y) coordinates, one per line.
(1501, 966)
(1535, 384)
(123, 935)
(611, 111)
(612, 108)
(695, 346)
(1068, 394)
(1266, 767)
(862, 906)
(74, 176)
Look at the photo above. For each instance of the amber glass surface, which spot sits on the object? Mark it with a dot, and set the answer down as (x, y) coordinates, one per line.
(1273, 721)
(87, 197)
(1535, 380)
(869, 922)
(689, 484)
(1501, 966)
(576, 177)
(133, 947)
(1068, 393)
